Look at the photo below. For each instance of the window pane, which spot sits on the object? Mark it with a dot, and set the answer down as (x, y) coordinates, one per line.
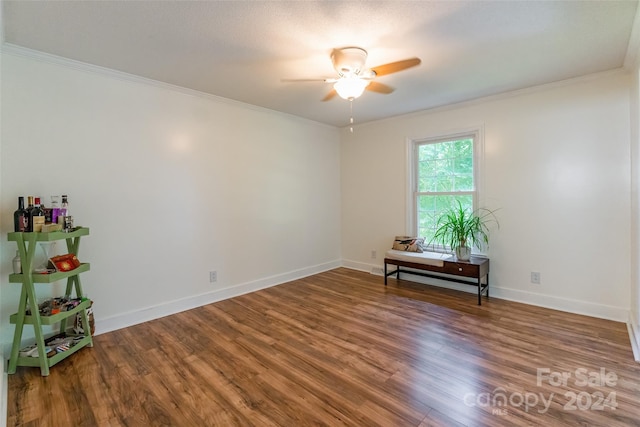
(443, 183)
(430, 208)
(445, 166)
(463, 183)
(426, 152)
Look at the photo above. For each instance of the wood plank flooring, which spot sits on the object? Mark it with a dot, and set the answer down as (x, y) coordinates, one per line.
(339, 348)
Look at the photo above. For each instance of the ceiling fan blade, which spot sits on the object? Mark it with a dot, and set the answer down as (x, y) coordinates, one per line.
(330, 95)
(394, 67)
(379, 88)
(326, 80)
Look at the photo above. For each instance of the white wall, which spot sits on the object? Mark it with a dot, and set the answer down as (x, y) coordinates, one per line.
(634, 317)
(632, 63)
(557, 168)
(173, 185)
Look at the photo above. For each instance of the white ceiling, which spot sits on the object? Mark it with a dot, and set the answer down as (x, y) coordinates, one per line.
(242, 49)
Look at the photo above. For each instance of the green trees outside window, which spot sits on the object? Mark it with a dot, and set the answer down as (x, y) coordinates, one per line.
(445, 177)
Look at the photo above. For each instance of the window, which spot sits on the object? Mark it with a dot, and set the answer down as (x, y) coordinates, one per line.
(443, 170)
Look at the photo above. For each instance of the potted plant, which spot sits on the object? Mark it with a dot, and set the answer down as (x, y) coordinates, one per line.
(460, 229)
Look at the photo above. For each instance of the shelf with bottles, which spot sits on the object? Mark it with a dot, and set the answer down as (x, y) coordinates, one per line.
(27, 243)
(36, 217)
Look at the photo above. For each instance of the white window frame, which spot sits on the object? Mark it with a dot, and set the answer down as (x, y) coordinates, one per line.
(477, 133)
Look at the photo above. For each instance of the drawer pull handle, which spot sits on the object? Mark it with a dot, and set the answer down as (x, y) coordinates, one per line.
(460, 269)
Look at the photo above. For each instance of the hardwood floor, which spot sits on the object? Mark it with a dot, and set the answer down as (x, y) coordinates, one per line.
(339, 348)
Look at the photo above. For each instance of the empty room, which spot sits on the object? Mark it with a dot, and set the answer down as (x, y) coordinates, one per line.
(291, 213)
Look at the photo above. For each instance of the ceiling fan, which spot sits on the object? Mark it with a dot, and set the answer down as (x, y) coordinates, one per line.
(353, 78)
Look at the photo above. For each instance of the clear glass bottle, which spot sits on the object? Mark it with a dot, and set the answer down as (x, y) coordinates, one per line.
(65, 205)
(62, 212)
(68, 219)
(17, 263)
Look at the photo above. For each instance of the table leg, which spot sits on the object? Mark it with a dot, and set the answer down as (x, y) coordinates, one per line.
(385, 274)
(487, 285)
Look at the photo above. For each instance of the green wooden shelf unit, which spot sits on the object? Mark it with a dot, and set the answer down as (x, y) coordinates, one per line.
(27, 243)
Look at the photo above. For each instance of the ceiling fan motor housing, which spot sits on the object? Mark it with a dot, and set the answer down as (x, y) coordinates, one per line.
(349, 61)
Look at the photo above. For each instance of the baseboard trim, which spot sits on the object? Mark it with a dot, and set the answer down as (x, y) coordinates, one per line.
(362, 266)
(585, 308)
(161, 310)
(634, 336)
(541, 300)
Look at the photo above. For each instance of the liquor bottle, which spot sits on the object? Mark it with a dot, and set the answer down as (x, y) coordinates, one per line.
(29, 209)
(65, 205)
(29, 203)
(65, 214)
(55, 209)
(47, 212)
(36, 217)
(20, 217)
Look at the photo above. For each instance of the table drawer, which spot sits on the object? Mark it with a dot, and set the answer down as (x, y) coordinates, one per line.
(461, 269)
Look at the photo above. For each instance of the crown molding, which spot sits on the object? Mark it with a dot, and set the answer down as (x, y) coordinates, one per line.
(504, 95)
(19, 51)
(15, 50)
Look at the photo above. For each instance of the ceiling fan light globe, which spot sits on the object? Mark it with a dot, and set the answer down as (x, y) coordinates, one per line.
(350, 87)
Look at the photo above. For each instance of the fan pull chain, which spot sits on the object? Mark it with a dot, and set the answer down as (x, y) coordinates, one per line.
(351, 118)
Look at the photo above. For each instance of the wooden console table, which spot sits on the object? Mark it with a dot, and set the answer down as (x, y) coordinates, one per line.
(476, 268)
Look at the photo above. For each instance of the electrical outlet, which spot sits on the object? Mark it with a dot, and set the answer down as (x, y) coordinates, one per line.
(213, 276)
(374, 254)
(535, 277)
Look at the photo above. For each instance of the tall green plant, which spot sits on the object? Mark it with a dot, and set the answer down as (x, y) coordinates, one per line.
(459, 226)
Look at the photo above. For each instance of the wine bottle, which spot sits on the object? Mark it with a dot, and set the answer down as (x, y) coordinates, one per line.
(29, 209)
(20, 217)
(29, 203)
(36, 217)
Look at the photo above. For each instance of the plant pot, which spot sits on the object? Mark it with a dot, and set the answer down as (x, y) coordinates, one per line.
(463, 253)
